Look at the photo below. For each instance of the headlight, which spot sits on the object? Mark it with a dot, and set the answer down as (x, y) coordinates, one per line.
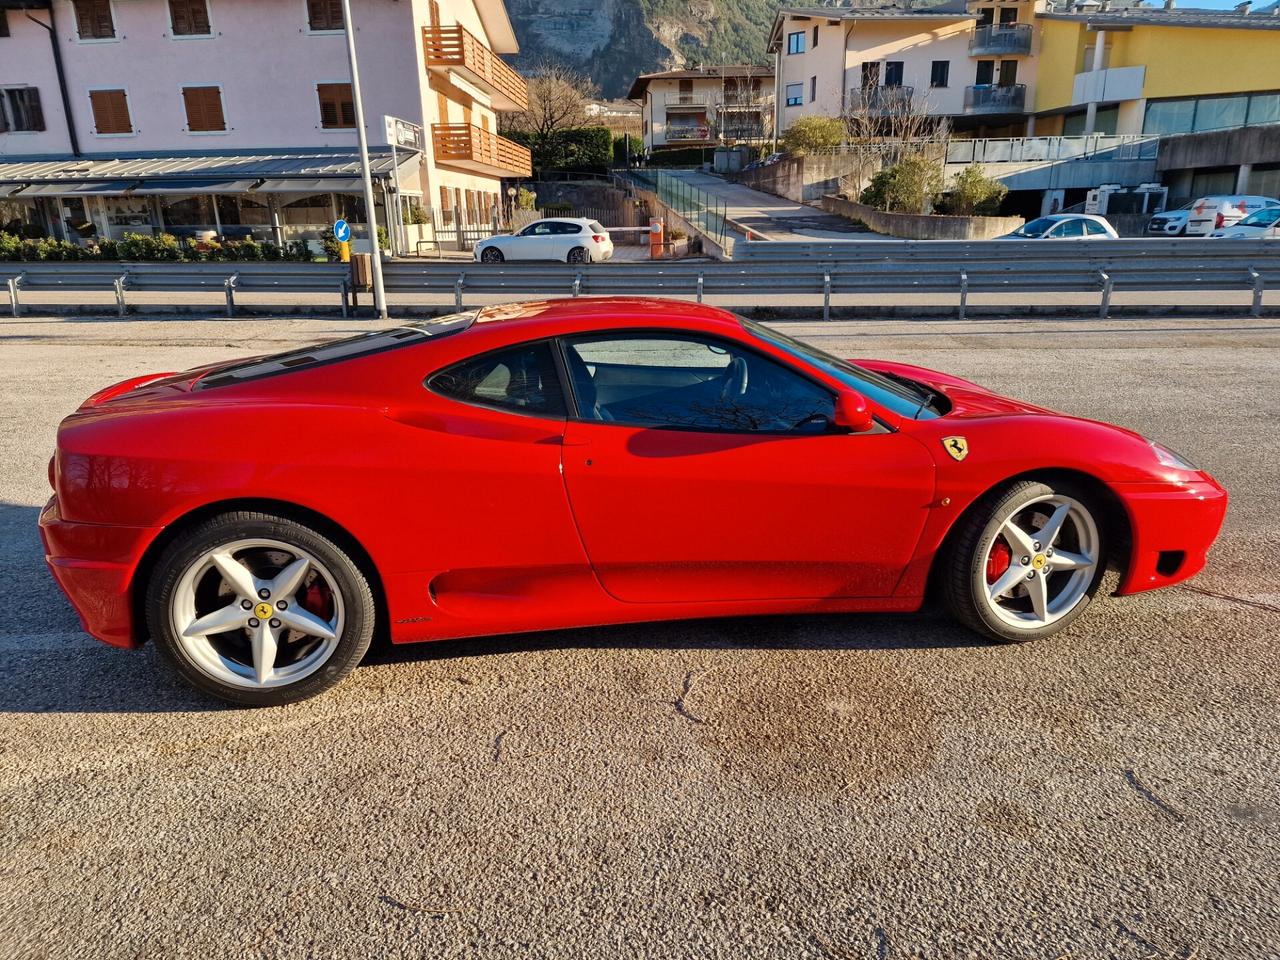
(1169, 458)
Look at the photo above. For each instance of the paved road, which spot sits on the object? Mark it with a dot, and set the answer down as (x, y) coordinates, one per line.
(776, 218)
(868, 787)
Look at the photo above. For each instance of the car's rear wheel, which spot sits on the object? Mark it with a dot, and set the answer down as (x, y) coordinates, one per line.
(259, 610)
(491, 255)
(579, 255)
(1025, 561)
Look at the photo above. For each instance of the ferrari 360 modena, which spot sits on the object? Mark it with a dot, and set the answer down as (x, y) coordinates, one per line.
(582, 462)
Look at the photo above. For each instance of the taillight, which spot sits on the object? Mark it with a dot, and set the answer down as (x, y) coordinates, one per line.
(599, 237)
(1218, 221)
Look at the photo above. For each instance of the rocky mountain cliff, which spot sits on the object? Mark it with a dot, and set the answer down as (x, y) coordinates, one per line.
(613, 40)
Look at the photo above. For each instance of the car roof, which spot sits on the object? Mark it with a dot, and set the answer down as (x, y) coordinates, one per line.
(610, 311)
(569, 219)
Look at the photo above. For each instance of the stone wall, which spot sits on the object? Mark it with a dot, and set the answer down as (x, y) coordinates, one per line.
(921, 227)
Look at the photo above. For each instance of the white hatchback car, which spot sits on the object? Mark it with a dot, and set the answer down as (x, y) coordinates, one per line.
(1215, 213)
(1064, 226)
(1262, 224)
(568, 239)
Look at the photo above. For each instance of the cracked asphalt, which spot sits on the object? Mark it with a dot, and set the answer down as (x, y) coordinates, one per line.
(821, 787)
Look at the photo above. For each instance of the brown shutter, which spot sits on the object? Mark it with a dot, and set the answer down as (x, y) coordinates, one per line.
(204, 108)
(337, 110)
(189, 17)
(324, 14)
(4, 26)
(110, 111)
(93, 19)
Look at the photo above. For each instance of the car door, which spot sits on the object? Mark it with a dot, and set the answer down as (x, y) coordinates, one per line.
(535, 242)
(700, 470)
(1067, 230)
(567, 236)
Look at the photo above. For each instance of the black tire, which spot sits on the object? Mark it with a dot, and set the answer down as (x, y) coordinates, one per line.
(579, 255)
(357, 600)
(491, 255)
(963, 560)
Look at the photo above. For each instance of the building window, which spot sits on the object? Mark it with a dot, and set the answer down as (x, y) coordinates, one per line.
(813, 89)
(324, 15)
(985, 73)
(20, 109)
(110, 112)
(204, 109)
(1194, 114)
(4, 22)
(795, 42)
(94, 20)
(940, 73)
(893, 73)
(189, 18)
(337, 109)
(795, 94)
(815, 35)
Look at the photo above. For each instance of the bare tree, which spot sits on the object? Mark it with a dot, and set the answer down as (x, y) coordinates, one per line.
(558, 98)
(884, 124)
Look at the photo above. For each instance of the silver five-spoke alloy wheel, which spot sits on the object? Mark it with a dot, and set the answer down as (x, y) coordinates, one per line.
(1041, 563)
(257, 613)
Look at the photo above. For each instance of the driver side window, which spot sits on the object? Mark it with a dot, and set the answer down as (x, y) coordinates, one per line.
(692, 383)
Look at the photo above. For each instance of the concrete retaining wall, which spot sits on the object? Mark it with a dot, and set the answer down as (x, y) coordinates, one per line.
(802, 179)
(922, 227)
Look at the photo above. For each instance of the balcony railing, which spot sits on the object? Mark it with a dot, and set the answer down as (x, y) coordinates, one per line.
(881, 99)
(747, 101)
(686, 133)
(1001, 39)
(988, 98)
(456, 48)
(482, 151)
(692, 100)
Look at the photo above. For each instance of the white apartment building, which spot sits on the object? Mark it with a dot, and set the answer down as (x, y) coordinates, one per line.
(705, 107)
(971, 62)
(236, 117)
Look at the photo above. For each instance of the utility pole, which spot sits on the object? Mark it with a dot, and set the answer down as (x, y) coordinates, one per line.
(379, 292)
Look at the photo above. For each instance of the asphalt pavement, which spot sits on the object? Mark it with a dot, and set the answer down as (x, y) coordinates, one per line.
(823, 787)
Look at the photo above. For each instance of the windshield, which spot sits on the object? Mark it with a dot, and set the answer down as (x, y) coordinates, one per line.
(1261, 218)
(334, 350)
(902, 398)
(1036, 228)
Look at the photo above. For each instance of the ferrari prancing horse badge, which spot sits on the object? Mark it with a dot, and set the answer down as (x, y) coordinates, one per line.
(958, 447)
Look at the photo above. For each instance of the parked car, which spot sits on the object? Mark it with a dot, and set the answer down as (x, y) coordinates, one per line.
(1262, 224)
(555, 464)
(1214, 213)
(1064, 226)
(570, 239)
(1170, 223)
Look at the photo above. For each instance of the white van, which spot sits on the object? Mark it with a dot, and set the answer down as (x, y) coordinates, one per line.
(1213, 213)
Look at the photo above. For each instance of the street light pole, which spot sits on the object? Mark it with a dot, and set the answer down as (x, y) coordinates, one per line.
(379, 293)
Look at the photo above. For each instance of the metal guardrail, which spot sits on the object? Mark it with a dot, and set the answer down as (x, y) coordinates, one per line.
(704, 210)
(1031, 268)
(122, 278)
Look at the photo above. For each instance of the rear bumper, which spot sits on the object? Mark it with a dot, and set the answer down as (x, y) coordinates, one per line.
(1173, 527)
(94, 563)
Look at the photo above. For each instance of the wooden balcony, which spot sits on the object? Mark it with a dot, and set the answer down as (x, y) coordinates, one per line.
(473, 148)
(456, 48)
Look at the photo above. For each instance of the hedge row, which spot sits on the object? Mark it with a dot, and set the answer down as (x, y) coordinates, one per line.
(141, 246)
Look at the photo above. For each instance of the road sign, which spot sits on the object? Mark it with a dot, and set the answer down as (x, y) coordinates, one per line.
(342, 231)
(402, 133)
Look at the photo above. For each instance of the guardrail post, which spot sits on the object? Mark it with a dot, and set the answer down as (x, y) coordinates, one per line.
(118, 283)
(700, 287)
(1104, 308)
(826, 295)
(344, 291)
(12, 283)
(1256, 277)
(229, 287)
(964, 292)
(457, 290)
(577, 284)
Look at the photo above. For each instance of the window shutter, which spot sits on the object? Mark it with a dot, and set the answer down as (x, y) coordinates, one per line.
(198, 15)
(110, 111)
(179, 18)
(336, 106)
(4, 124)
(204, 109)
(4, 22)
(24, 109)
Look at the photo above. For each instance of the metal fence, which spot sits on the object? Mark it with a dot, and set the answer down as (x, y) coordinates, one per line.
(703, 210)
(812, 270)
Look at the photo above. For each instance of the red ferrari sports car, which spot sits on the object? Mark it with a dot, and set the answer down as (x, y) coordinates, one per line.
(578, 462)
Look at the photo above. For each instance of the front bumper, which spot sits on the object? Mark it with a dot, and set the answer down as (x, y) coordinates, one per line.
(1173, 526)
(94, 564)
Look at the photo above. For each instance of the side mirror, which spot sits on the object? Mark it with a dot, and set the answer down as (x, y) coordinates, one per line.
(852, 412)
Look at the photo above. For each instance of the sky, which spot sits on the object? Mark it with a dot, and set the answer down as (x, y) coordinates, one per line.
(1217, 4)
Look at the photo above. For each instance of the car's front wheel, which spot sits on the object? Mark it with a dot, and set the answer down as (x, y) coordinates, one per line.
(259, 610)
(1025, 561)
(491, 255)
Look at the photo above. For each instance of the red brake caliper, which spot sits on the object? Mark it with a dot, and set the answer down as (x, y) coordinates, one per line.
(316, 599)
(998, 561)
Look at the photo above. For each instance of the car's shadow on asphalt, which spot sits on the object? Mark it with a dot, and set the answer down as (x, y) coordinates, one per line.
(49, 665)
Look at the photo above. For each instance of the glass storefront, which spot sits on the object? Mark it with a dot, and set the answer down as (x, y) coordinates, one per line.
(1197, 114)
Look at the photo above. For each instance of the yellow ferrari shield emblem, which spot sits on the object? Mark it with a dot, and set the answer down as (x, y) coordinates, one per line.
(957, 447)
(263, 611)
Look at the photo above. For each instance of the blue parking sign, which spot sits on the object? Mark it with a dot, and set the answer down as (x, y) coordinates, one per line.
(342, 231)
